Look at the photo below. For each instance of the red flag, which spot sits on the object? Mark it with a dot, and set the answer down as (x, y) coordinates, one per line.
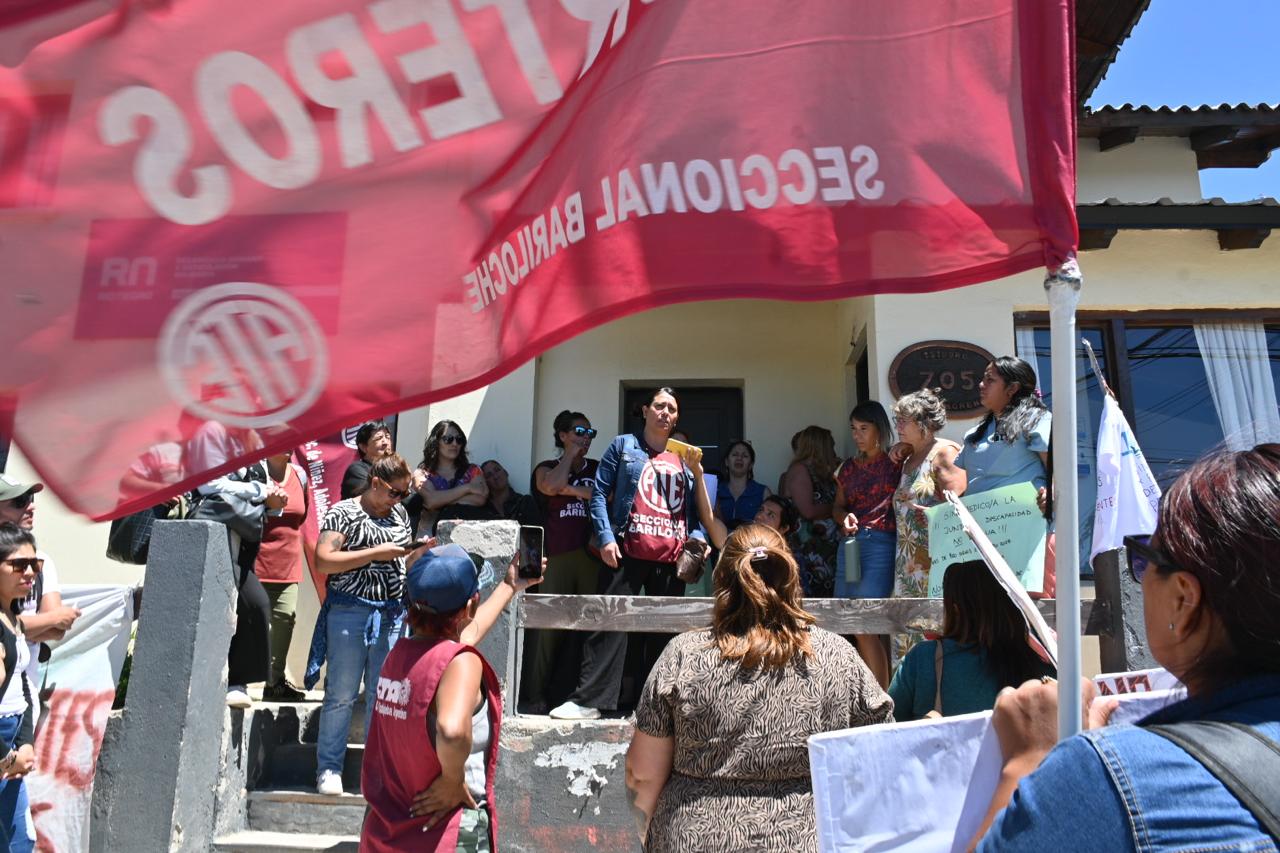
(343, 211)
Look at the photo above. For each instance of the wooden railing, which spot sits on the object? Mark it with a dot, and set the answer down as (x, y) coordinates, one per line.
(662, 614)
(1114, 616)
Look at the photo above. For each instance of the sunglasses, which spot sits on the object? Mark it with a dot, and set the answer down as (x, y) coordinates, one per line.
(21, 564)
(396, 494)
(453, 439)
(580, 431)
(23, 501)
(1142, 556)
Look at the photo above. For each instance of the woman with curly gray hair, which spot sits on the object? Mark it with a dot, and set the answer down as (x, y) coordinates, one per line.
(928, 471)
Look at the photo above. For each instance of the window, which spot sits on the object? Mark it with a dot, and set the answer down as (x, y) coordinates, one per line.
(1173, 417)
(1156, 369)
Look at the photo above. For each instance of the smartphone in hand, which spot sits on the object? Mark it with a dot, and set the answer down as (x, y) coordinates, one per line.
(530, 565)
(683, 450)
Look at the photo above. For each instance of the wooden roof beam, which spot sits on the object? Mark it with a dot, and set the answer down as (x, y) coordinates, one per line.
(1116, 137)
(1230, 239)
(1247, 154)
(1202, 140)
(1096, 238)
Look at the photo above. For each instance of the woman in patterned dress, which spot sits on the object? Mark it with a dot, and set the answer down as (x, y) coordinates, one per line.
(925, 474)
(719, 760)
(809, 482)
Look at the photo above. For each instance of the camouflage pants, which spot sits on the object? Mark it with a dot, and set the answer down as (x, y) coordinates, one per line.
(473, 831)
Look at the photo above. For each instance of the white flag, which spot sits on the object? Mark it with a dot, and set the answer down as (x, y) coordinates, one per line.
(1128, 496)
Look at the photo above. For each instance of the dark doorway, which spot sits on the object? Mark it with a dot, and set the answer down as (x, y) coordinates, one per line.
(711, 416)
(862, 378)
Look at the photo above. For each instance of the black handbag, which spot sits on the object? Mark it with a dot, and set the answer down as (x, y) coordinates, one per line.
(130, 538)
(241, 516)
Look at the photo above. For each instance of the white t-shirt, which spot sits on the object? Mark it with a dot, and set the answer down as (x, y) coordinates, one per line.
(14, 701)
(50, 584)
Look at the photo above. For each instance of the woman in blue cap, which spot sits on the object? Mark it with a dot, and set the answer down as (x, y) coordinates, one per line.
(432, 749)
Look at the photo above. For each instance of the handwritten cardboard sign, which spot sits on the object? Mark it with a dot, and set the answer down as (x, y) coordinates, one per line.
(1012, 521)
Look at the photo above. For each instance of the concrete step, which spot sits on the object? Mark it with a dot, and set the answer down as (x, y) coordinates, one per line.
(311, 723)
(301, 810)
(286, 842)
(293, 765)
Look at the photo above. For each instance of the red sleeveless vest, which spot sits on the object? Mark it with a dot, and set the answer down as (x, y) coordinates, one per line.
(400, 760)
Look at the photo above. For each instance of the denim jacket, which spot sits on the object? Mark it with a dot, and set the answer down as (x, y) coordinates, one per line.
(1122, 788)
(616, 479)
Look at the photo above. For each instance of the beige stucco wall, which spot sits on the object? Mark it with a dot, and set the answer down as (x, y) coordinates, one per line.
(788, 357)
(1145, 170)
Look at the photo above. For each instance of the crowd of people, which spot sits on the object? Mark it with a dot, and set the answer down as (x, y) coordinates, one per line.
(722, 715)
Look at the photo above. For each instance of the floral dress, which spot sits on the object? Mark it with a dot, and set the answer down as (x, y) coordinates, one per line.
(911, 571)
(814, 544)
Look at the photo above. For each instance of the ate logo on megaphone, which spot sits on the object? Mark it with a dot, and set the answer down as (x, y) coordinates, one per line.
(244, 354)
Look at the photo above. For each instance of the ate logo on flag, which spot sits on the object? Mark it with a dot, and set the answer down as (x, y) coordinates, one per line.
(348, 210)
(245, 354)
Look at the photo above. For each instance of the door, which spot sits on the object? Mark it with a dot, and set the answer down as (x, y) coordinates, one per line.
(710, 416)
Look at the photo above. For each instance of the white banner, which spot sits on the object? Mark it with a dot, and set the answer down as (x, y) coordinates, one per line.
(82, 675)
(924, 786)
(1128, 497)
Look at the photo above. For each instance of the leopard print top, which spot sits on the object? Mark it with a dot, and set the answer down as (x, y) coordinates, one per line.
(740, 774)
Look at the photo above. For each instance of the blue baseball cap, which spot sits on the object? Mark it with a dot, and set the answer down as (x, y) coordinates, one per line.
(443, 579)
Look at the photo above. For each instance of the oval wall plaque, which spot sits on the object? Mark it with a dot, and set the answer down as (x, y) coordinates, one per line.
(953, 366)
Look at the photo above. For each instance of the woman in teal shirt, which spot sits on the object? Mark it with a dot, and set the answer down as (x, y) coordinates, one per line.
(1011, 444)
(983, 649)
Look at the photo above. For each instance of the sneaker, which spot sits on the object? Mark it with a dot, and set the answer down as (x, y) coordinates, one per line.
(238, 697)
(282, 692)
(574, 711)
(329, 783)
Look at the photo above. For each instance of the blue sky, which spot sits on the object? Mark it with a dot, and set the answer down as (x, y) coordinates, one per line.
(1196, 52)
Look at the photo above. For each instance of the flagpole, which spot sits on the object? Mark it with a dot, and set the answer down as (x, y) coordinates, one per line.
(1063, 290)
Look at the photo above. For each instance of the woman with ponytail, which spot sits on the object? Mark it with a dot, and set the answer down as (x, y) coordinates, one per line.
(719, 760)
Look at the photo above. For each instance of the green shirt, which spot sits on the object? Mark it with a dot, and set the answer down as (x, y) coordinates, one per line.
(967, 684)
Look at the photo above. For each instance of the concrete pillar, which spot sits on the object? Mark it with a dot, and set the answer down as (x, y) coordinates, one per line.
(1123, 648)
(155, 784)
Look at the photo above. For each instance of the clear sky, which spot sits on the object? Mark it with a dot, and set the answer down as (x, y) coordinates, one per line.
(1197, 52)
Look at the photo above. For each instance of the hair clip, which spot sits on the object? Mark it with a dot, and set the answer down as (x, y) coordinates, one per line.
(759, 554)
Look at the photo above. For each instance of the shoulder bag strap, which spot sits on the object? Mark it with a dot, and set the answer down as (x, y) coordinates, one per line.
(937, 675)
(1244, 760)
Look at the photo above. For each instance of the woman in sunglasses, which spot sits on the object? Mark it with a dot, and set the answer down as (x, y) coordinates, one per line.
(19, 567)
(563, 487)
(1210, 578)
(362, 548)
(451, 486)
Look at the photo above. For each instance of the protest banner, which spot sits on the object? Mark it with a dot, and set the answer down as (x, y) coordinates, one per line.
(1012, 521)
(1138, 681)
(922, 786)
(1128, 495)
(344, 211)
(81, 676)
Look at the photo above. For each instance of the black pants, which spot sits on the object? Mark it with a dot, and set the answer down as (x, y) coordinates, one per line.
(249, 658)
(604, 653)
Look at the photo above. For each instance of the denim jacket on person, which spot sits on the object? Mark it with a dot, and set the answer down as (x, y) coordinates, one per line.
(1122, 788)
(617, 476)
